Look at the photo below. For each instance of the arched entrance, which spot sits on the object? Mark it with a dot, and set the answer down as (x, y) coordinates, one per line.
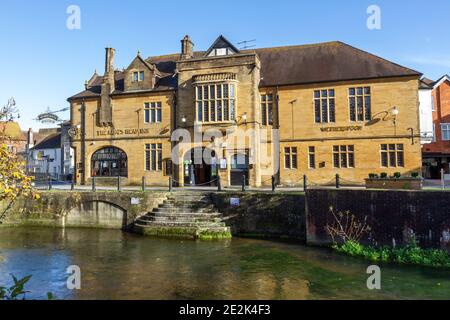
(200, 167)
(239, 167)
(109, 162)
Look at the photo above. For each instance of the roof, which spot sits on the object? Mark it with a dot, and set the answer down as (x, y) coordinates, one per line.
(301, 64)
(441, 81)
(426, 83)
(52, 141)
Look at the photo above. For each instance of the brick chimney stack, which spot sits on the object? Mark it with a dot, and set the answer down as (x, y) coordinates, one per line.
(187, 48)
(108, 86)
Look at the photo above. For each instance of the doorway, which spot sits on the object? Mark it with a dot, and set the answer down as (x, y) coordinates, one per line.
(239, 168)
(200, 167)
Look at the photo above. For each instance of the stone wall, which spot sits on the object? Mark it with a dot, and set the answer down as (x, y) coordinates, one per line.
(395, 217)
(279, 215)
(116, 210)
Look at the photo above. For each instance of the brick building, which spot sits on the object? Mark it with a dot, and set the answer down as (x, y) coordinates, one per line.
(320, 110)
(436, 155)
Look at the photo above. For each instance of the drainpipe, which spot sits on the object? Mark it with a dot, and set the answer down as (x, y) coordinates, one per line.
(277, 174)
(83, 143)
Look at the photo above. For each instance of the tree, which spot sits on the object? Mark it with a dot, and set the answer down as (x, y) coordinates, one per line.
(14, 182)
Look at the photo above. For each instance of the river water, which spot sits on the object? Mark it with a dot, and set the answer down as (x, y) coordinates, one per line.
(117, 265)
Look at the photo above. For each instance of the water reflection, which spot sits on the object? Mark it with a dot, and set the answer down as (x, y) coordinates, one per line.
(116, 265)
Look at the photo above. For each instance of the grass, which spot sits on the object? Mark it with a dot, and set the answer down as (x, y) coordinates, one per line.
(410, 254)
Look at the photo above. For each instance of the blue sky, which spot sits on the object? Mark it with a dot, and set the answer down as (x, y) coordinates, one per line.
(43, 62)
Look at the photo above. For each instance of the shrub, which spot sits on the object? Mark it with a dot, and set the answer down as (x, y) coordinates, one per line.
(373, 176)
(383, 175)
(410, 254)
(415, 175)
(397, 175)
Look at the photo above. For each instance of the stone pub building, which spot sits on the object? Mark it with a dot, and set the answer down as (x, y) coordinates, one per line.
(320, 110)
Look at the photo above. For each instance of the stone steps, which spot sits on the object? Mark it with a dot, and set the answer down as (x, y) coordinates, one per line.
(190, 215)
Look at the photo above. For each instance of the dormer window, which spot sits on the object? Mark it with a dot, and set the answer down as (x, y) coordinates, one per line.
(221, 47)
(138, 76)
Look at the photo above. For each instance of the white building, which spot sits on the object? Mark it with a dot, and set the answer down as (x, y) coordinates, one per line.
(51, 157)
(426, 111)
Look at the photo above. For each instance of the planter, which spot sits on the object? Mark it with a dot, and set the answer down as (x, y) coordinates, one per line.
(394, 184)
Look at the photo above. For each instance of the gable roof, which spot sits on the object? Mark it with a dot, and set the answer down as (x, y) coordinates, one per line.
(324, 62)
(221, 42)
(426, 83)
(302, 64)
(441, 81)
(52, 141)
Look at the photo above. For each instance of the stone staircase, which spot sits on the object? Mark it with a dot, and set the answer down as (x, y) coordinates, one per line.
(184, 215)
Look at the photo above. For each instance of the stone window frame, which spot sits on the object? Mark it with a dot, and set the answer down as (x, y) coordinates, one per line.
(204, 99)
(319, 96)
(138, 76)
(312, 157)
(392, 155)
(290, 158)
(343, 156)
(365, 94)
(445, 131)
(151, 109)
(267, 108)
(153, 157)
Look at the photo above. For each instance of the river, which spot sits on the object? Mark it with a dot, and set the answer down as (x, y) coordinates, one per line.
(117, 265)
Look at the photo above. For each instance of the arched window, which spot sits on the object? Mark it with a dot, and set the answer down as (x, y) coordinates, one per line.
(109, 162)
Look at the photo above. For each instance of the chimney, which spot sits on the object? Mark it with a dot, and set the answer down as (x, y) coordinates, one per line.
(30, 141)
(109, 60)
(187, 48)
(108, 86)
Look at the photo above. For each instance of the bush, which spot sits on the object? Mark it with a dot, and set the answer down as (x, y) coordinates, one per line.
(415, 175)
(397, 175)
(411, 254)
(373, 176)
(383, 175)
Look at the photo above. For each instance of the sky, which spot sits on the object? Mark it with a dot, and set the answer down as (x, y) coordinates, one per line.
(43, 62)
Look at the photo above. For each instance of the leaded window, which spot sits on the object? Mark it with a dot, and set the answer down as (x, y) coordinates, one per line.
(324, 106)
(392, 155)
(216, 102)
(344, 156)
(360, 105)
(153, 112)
(153, 157)
(267, 109)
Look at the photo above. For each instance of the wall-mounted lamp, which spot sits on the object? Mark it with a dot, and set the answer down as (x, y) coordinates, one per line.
(244, 117)
(183, 119)
(394, 113)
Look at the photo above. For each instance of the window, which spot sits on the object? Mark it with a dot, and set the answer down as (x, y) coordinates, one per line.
(433, 108)
(360, 104)
(153, 112)
(312, 157)
(290, 158)
(392, 155)
(344, 156)
(445, 128)
(267, 109)
(216, 102)
(153, 157)
(168, 167)
(324, 106)
(109, 162)
(138, 76)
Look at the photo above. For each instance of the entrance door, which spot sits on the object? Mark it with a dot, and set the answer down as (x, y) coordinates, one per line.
(197, 171)
(239, 168)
